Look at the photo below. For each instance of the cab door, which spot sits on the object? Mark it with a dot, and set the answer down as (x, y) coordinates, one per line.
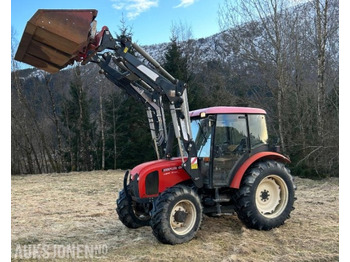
(202, 131)
(229, 146)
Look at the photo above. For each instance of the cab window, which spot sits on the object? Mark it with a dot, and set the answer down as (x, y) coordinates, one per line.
(201, 132)
(257, 130)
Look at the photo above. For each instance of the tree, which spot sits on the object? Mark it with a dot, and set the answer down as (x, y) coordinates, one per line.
(258, 32)
(135, 145)
(175, 63)
(80, 130)
(324, 30)
(32, 150)
(126, 142)
(102, 127)
(113, 133)
(288, 48)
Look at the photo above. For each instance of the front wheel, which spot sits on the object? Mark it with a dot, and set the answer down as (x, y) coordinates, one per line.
(131, 214)
(177, 215)
(266, 196)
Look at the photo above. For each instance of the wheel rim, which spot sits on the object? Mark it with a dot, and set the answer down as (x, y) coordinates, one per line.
(139, 214)
(183, 217)
(271, 196)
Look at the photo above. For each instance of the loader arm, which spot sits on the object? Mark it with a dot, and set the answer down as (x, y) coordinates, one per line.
(147, 82)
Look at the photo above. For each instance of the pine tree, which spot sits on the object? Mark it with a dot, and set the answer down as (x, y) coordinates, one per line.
(128, 138)
(80, 130)
(176, 63)
(135, 145)
(113, 132)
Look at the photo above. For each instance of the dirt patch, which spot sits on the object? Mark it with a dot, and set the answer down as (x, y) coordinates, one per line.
(77, 210)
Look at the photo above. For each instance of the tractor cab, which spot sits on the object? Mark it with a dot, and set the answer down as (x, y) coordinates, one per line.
(225, 138)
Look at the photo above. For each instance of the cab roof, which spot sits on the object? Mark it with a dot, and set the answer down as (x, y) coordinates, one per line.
(227, 110)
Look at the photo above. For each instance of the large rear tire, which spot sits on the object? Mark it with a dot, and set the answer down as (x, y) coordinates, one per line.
(177, 215)
(130, 214)
(266, 196)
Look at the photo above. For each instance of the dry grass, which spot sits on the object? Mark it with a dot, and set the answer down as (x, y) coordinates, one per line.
(79, 208)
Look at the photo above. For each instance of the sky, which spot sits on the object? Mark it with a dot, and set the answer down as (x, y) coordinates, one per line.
(150, 20)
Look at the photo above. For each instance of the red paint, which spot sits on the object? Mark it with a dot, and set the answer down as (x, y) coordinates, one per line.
(269, 155)
(170, 173)
(93, 45)
(227, 110)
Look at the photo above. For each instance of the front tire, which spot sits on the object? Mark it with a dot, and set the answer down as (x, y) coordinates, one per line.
(130, 214)
(266, 196)
(177, 215)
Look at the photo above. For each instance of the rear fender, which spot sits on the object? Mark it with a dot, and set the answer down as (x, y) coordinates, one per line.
(251, 160)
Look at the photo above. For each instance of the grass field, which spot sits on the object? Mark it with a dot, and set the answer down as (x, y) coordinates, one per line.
(55, 212)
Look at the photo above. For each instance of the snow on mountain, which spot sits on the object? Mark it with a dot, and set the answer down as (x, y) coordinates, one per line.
(198, 51)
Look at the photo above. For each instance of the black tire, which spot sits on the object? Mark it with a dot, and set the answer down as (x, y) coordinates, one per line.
(127, 215)
(177, 215)
(266, 186)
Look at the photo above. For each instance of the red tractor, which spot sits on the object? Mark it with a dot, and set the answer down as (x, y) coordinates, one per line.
(224, 164)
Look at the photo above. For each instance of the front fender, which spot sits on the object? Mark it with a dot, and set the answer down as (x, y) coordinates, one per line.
(266, 155)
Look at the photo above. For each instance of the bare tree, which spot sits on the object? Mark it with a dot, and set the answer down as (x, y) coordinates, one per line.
(102, 127)
(258, 32)
(25, 121)
(321, 8)
(181, 31)
(295, 48)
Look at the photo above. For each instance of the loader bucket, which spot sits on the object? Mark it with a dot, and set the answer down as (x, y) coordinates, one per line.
(53, 39)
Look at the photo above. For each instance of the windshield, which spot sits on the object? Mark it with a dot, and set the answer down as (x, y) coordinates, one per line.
(201, 132)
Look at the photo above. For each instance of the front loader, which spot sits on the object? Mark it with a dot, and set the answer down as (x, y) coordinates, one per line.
(224, 165)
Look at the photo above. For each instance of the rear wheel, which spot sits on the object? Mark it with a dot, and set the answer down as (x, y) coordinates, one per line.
(131, 214)
(177, 215)
(266, 196)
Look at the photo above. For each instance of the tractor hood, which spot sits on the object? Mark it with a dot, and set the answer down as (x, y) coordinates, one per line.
(159, 165)
(156, 176)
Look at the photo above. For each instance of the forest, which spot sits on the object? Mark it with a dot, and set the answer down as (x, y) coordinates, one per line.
(273, 55)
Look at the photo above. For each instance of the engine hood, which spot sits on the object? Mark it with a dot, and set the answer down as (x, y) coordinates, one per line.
(161, 165)
(159, 174)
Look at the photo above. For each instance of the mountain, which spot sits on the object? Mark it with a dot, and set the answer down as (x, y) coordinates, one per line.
(198, 50)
